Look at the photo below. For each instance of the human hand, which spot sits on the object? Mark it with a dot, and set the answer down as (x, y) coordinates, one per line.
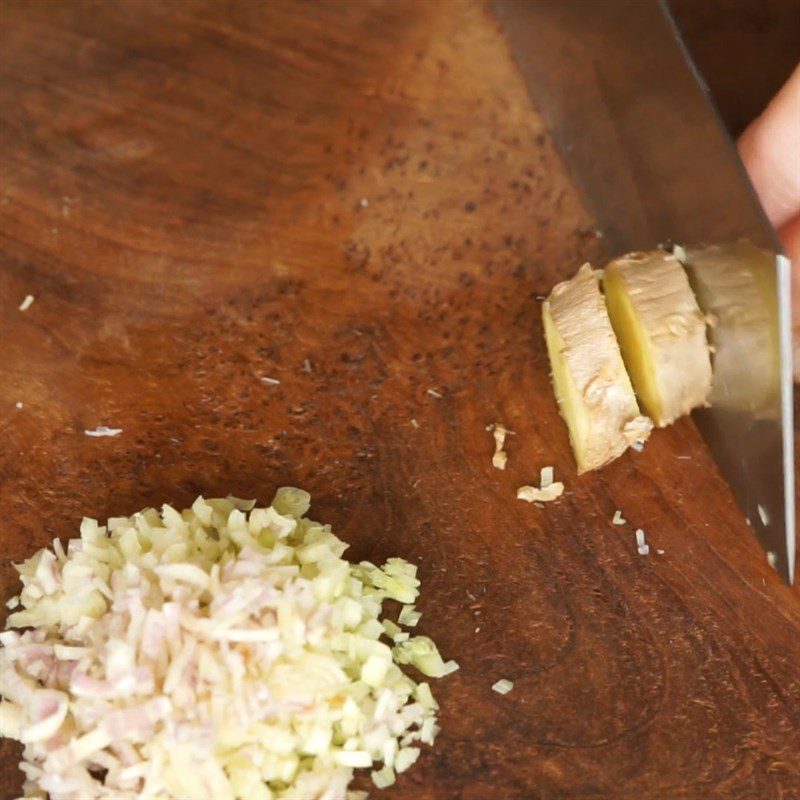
(770, 150)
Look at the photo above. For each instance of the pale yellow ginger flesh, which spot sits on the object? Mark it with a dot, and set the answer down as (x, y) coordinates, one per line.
(592, 388)
(661, 333)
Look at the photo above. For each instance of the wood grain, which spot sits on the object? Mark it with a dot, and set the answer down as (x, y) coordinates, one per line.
(200, 194)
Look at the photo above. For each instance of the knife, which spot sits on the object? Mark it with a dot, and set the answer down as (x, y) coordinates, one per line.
(639, 134)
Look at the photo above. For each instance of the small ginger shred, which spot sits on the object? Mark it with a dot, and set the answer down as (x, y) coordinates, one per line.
(500, 457)
(531, 494)
(548, 489)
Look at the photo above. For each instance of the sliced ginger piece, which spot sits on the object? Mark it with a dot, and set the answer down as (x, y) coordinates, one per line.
(661, 332)
(593, 391)
(734, 286)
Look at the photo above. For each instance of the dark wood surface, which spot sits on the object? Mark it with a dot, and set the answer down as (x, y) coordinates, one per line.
(201, 194)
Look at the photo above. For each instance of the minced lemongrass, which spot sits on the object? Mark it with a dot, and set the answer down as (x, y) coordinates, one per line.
(421, 652)
(383, 778)
(409, 616)
(546, 477)
(503, 686)
(618, 519)
(223, 651)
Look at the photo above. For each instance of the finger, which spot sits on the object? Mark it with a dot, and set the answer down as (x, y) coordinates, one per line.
(790, 238)
(770, 150)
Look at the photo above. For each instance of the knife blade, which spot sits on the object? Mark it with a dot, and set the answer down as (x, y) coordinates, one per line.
(639, 134)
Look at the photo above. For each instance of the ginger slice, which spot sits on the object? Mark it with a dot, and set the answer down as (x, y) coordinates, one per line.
(661, 332)
(592, 388)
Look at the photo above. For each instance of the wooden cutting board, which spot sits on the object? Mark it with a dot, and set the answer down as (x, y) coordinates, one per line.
(358, 200)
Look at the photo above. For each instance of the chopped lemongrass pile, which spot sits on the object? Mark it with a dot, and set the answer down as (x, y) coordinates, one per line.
(618, 519)
(641, 544)
(503, 686)
(547, 491)
(224, 651)
(500, 457)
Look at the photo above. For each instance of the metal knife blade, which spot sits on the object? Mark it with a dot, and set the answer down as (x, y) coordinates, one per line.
(637, 130)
